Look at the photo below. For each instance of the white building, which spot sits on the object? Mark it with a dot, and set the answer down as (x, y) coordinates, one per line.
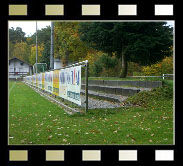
(57, 64)
(19, 68)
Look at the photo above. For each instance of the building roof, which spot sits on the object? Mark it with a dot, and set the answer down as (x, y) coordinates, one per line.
(19, 60)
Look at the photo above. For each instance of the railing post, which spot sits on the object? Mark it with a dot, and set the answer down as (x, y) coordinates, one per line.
(163, 76)
(86, 86)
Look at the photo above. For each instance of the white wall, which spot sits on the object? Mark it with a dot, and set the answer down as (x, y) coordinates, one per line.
(57, 64)
(15, 66)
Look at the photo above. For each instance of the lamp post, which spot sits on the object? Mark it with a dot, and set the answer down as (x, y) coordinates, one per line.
(36, 48)
(52, 47)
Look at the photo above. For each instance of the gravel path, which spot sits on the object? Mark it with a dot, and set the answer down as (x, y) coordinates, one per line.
(95, 103)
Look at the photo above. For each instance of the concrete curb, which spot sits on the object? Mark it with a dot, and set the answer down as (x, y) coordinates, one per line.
(144, 84)
(124, 91)
(104, 96)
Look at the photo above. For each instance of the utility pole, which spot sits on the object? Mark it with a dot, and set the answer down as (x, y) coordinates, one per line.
(36, 48)
(52, 47)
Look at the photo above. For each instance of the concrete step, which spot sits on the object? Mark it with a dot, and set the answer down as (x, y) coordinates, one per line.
(123, 91)
(104, 96)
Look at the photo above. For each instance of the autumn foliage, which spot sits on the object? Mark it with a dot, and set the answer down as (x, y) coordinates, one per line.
(163, 67)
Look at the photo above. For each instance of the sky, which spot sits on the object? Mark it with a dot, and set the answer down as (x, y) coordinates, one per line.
(29, 27)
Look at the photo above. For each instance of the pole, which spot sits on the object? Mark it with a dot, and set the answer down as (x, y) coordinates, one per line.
(52, 47)
(36, 48)
(86, 87)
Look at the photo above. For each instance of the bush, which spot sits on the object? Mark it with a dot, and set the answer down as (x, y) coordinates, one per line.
(104, 66)
(97, 68)
(143, 98)
(163, 67)
(134, 69)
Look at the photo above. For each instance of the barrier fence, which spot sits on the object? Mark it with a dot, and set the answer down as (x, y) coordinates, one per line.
(64, 82)
(163, 76)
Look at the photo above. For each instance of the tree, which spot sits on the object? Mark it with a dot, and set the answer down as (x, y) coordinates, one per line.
(11, 49)
(44, 41)
(24, 47)
(32, 58)
(22, 51)
(43, 36)
(68, 46)
(140, 42)
(45, 58)
(163, 67)
(16, 35)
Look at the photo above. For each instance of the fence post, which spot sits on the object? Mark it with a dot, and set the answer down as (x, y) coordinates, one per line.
(163, 76)
(86, 86)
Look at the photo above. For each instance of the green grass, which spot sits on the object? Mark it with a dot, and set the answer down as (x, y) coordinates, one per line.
(35, 120)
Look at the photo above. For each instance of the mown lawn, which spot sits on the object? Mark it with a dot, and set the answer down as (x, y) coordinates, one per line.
(35, 120)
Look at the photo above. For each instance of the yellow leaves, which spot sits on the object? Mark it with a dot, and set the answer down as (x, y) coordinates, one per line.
(20, 50)
(105, 140)
(163, 67)
(32, 58)
(67, 40)
(64, 140)
(49, 137)
(150, 140)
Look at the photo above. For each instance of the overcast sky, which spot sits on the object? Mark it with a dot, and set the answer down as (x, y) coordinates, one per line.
(29, 27)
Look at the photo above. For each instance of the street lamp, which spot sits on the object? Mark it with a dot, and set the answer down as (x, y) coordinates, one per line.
(36, 48)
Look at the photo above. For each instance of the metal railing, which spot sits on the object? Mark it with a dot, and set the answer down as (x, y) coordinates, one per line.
(167, 75)
(18, 73)
(163, 76)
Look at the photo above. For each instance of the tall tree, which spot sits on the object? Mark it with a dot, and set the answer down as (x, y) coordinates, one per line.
(140, 42)
(32, 58)
(43, 35)
(68, 46)
(45, 58)
(24, 47)
(44, 41)
(16, 35)
(22, 51)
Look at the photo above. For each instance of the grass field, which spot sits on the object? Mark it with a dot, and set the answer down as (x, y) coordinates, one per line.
(35, 120)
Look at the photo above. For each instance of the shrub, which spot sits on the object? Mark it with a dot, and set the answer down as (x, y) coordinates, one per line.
(104, 66)
(144, 97)
(97, 68)
(163, 67)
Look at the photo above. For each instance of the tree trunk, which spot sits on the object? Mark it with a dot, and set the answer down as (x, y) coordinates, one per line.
(124, 65)
(108, 71)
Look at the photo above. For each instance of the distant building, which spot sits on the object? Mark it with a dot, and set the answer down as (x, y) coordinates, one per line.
(57, 64)
(18, 68)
